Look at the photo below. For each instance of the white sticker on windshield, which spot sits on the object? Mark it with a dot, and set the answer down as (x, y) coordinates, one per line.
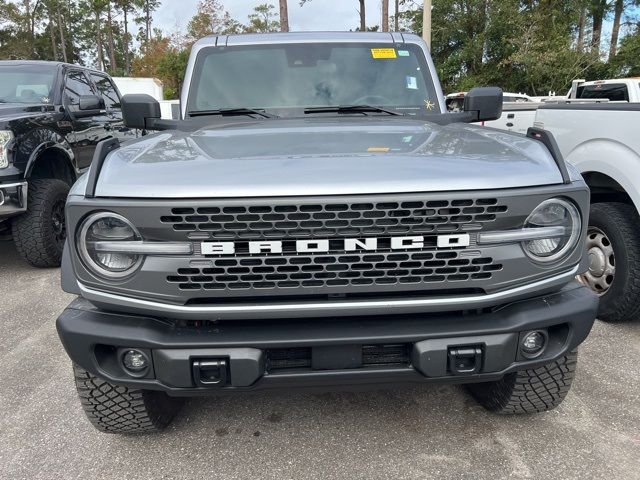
(403, 53)
(412, 83)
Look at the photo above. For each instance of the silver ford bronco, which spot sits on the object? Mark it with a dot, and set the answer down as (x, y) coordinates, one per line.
(317, 219)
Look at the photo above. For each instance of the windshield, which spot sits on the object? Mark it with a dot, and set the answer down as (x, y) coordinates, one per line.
(615, 92)
(289, 77)
(26, 83)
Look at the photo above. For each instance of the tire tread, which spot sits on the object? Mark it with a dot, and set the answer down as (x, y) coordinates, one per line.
(625, 306)
(117, 409)
(528, 391)
(30, 230)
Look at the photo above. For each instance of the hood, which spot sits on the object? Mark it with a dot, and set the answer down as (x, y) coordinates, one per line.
(297, 157)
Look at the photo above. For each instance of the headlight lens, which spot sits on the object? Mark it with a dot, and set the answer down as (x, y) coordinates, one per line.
(5, 137)
(108, 227)
(554, 212)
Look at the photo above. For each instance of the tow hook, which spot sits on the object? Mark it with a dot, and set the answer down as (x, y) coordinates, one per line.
(211, 372)
(465, 360)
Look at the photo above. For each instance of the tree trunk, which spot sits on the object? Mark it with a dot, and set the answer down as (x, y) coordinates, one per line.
(581, 27)
(363, 22)
(147, 19)
(127, 61)
(30, 17)
(385, 15)
(112, 54)
(99, 40)
(615, 32)
(284, 16)
(597, 16)
(63, 41)
(395, 17)
(52, 35)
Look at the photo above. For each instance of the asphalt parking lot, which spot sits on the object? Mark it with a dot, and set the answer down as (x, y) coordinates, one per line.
(421, 433)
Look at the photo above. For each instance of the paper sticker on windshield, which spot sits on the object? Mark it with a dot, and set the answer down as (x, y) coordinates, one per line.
(378, 149)
(412, 83)
(383, 52)
(403, 53)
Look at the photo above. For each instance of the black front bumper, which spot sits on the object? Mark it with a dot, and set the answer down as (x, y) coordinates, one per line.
(326, 352)
(13, 198)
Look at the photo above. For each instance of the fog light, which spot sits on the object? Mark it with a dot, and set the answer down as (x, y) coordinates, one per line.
(533, 343)
(135, 361)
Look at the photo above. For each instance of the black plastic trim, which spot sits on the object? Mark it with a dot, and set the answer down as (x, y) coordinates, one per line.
(547, 139)
(81, 327)
(102, 150)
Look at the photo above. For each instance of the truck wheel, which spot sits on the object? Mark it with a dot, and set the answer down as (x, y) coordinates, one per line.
(528, 391)
(613, 245)
(39, 233)
(115, 409)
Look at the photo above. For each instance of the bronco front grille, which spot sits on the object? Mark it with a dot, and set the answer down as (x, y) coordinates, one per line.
(318, 220)
(326, 271)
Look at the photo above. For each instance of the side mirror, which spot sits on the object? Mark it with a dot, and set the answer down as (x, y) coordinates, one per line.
(485, 102)
(90, 102)
(139, 110)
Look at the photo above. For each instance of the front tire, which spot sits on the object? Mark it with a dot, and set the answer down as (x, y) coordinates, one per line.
(39, 233)
(116, 409)
(528, 391)
(613, 245)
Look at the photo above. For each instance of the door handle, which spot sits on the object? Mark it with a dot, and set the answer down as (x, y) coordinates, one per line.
(511, 115)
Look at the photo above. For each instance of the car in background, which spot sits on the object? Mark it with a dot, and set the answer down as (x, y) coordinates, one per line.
(52, 116)
(613, 90)
(601, 140)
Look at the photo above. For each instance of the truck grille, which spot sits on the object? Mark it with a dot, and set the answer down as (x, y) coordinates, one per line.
(317, 220)
(326, 271)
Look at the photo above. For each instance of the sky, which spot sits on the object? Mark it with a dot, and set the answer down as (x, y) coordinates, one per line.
(315, 15)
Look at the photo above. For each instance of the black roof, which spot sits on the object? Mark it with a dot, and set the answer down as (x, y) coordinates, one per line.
(44, 63)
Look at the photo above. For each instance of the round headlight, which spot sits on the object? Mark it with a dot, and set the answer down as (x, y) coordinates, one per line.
(100, 230)
(554, 212)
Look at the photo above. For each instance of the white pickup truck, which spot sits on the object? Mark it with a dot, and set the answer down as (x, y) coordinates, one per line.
(614, 90)
(602, 141)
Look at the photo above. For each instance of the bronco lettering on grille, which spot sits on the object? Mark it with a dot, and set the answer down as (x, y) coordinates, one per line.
(325, 245)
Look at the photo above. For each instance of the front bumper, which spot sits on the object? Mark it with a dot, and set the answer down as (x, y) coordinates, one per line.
(326, 352)
(13, 198)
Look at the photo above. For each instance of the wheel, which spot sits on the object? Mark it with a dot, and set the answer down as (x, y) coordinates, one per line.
(528, 391)
(115, 409)
(613, 245)
(39, 233)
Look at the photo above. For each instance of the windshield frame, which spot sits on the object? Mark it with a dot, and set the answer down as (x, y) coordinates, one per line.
(202, 50)
(54, 69)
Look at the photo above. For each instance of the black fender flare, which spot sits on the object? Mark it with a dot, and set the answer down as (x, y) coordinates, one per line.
(61, 147)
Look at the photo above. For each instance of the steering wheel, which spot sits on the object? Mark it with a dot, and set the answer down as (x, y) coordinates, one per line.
(373, 100)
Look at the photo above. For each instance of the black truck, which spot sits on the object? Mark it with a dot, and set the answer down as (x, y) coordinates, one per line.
(52, 116)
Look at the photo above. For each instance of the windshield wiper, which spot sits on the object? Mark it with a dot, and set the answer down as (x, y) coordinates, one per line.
(231, 112)
(351, 109)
